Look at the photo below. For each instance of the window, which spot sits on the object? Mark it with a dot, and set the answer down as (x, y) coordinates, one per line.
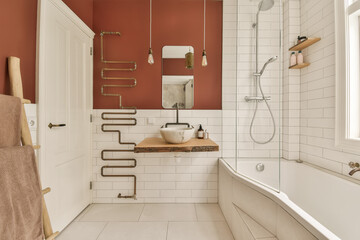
(347, 24)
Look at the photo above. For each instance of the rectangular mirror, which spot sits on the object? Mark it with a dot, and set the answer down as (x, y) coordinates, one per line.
(178, 77)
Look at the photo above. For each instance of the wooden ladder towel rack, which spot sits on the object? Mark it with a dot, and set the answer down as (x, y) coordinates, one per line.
(17, 91)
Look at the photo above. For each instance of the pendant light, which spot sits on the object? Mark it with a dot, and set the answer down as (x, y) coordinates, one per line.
(150, 56)
(204, 62)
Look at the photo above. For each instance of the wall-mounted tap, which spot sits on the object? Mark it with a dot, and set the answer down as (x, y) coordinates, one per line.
(176, 105)
(354, 171)
(355, 168)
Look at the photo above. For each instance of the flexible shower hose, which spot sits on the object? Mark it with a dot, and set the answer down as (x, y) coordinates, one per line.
(254, 116)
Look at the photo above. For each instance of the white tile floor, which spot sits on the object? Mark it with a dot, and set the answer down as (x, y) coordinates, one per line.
(149, 222)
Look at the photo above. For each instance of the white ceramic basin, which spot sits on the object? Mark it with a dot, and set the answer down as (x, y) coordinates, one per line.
(177, 135)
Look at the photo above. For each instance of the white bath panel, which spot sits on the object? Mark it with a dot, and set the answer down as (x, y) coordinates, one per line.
(256, 230)
(290, 229)
(239, 228)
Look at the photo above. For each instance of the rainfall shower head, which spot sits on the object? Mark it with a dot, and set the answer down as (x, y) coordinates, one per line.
(265, 5)
(273, 59)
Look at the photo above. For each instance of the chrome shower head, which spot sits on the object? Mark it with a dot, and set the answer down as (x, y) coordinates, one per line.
(265, 5)
(273, 59)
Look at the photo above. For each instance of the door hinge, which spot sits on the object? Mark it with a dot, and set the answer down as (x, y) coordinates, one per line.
(91, 51)
(91, 118)
(91, 185)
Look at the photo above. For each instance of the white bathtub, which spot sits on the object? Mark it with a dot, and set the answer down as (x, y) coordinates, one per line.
(325, 204)
(331, 200)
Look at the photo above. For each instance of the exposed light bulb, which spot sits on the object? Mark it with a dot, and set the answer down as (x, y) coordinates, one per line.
(204, 62)
(150, 57)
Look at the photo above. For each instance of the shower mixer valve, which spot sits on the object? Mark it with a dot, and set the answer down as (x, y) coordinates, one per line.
(259, 99)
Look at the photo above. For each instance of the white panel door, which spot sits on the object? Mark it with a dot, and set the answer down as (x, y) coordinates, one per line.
(66, 101)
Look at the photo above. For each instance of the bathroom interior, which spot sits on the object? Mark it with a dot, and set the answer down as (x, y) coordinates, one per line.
(180, 119)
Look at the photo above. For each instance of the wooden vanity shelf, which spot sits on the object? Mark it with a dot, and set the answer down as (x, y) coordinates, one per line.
(152, 145)
(304, 44)
(299, 66)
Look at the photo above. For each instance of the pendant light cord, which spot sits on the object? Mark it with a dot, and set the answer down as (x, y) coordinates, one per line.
(204, 21)
(150, 20)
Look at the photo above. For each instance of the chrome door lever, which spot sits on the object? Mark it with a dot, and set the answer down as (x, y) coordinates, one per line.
(56, 125)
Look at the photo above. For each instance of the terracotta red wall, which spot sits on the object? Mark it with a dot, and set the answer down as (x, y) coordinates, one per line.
(18, 26)
(175, 22)
(18, 38)
(175, 66)
(82, 8)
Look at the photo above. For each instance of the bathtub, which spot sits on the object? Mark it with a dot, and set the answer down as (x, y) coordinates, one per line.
(324, 204)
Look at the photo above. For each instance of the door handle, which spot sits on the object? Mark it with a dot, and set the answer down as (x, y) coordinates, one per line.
(56, 125)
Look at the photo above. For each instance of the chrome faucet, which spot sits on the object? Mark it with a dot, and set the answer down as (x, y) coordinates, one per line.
(355, 168)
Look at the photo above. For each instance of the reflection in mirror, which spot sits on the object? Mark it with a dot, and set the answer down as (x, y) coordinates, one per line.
(178, 77)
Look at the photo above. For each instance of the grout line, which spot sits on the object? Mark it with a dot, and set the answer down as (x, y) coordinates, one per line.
(142, 210)
(102, 230)
(83, 213)
(196, 214)
(167, 230)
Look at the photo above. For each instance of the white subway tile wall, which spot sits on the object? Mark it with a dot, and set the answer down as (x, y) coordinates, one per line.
(229, 91)
(291, 83)
(161, 177)
(238, 81)
(317, 133)
(269, 46)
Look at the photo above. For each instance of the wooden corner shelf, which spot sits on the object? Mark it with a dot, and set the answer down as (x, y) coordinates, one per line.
(308, 42)
(299, 66)
(153, 145)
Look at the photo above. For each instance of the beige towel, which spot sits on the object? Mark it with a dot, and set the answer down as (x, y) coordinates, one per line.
(20, 195)
(10, 121)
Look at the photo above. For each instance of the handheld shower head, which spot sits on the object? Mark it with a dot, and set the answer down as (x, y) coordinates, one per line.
(272, 59)
(265, 5)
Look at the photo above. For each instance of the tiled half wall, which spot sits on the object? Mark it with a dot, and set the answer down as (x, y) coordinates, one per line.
(161, 177)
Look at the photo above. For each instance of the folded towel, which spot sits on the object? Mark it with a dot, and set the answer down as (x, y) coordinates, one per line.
(20, 196)
(10, 121)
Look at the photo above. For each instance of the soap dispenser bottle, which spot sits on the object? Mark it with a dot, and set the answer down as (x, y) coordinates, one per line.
(200, 133)
(292, 59)
(300, 58)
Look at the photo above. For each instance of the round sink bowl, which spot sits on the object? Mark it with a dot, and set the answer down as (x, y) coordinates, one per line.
(177, 135)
